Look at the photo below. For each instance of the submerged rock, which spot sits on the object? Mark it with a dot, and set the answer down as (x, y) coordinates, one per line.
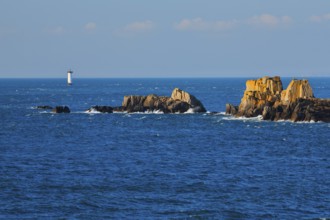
(61, 109)
(44, 107)
(266, 97)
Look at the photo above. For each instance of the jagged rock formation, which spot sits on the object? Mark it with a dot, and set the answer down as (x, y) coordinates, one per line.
(266, 97)
(180, 101)
(257, 94)
(61, 109)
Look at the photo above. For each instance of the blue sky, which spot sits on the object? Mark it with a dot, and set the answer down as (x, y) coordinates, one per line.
(172, 38)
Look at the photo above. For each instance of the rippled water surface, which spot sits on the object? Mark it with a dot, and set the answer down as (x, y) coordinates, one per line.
(100, 166)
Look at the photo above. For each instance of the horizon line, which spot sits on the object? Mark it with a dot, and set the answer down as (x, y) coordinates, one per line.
(162, 77)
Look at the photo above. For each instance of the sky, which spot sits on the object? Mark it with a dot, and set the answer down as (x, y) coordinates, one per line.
(172, 38)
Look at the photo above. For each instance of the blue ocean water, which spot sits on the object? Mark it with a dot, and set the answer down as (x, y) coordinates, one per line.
(138, 166)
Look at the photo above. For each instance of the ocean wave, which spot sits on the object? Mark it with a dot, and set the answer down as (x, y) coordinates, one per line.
(143, 117)
(146, 112)
(221, 113)
(299, 122)
(259, 118)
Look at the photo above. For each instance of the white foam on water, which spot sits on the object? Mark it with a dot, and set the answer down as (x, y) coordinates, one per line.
(146, 112)
(155, 112)
(92, 111)
(222, 113)
(232, 118)
(44, 112)
(119, 112)
(190, 111)
(298, 122)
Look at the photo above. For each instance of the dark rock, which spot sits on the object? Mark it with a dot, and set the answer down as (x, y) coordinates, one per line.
(102, 109)
(44, 107)
(179, 106)
(268, 113)
(311, 109)
(118, 109)
(231, 109)
(134, 103)
(61, 109)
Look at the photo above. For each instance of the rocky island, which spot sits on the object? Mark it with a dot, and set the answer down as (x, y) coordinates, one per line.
(266, 97)
(179, 102)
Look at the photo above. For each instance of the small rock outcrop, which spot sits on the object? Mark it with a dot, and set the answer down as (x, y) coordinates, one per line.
(179, 102)
(101, 109)
(266, 97)
(44, 107)
(61, 109)
(183, 96)
(231, 109)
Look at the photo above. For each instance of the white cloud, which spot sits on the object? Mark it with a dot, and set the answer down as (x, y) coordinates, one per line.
(268, 20)
(198, 24)
(320, 18)
(90, 26)
(263, 20)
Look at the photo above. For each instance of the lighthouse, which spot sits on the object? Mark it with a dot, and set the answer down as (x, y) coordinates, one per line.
(70, 77)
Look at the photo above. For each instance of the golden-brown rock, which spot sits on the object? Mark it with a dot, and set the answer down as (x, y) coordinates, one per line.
(180, 102)
(272, 85)
(265, 97)
(181, 95)
(297, 89)
(258, 93)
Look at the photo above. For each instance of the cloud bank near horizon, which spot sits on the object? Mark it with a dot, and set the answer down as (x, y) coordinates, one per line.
(151, 38)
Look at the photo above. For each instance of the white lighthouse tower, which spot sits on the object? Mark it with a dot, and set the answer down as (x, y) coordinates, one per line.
(70, 77)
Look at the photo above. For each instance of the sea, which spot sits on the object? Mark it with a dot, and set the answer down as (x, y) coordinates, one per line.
(152, 165)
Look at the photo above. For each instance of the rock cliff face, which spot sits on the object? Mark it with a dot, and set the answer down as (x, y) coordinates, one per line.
(180, 102)
(266, 97)
(258, 93)
(297, 89)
